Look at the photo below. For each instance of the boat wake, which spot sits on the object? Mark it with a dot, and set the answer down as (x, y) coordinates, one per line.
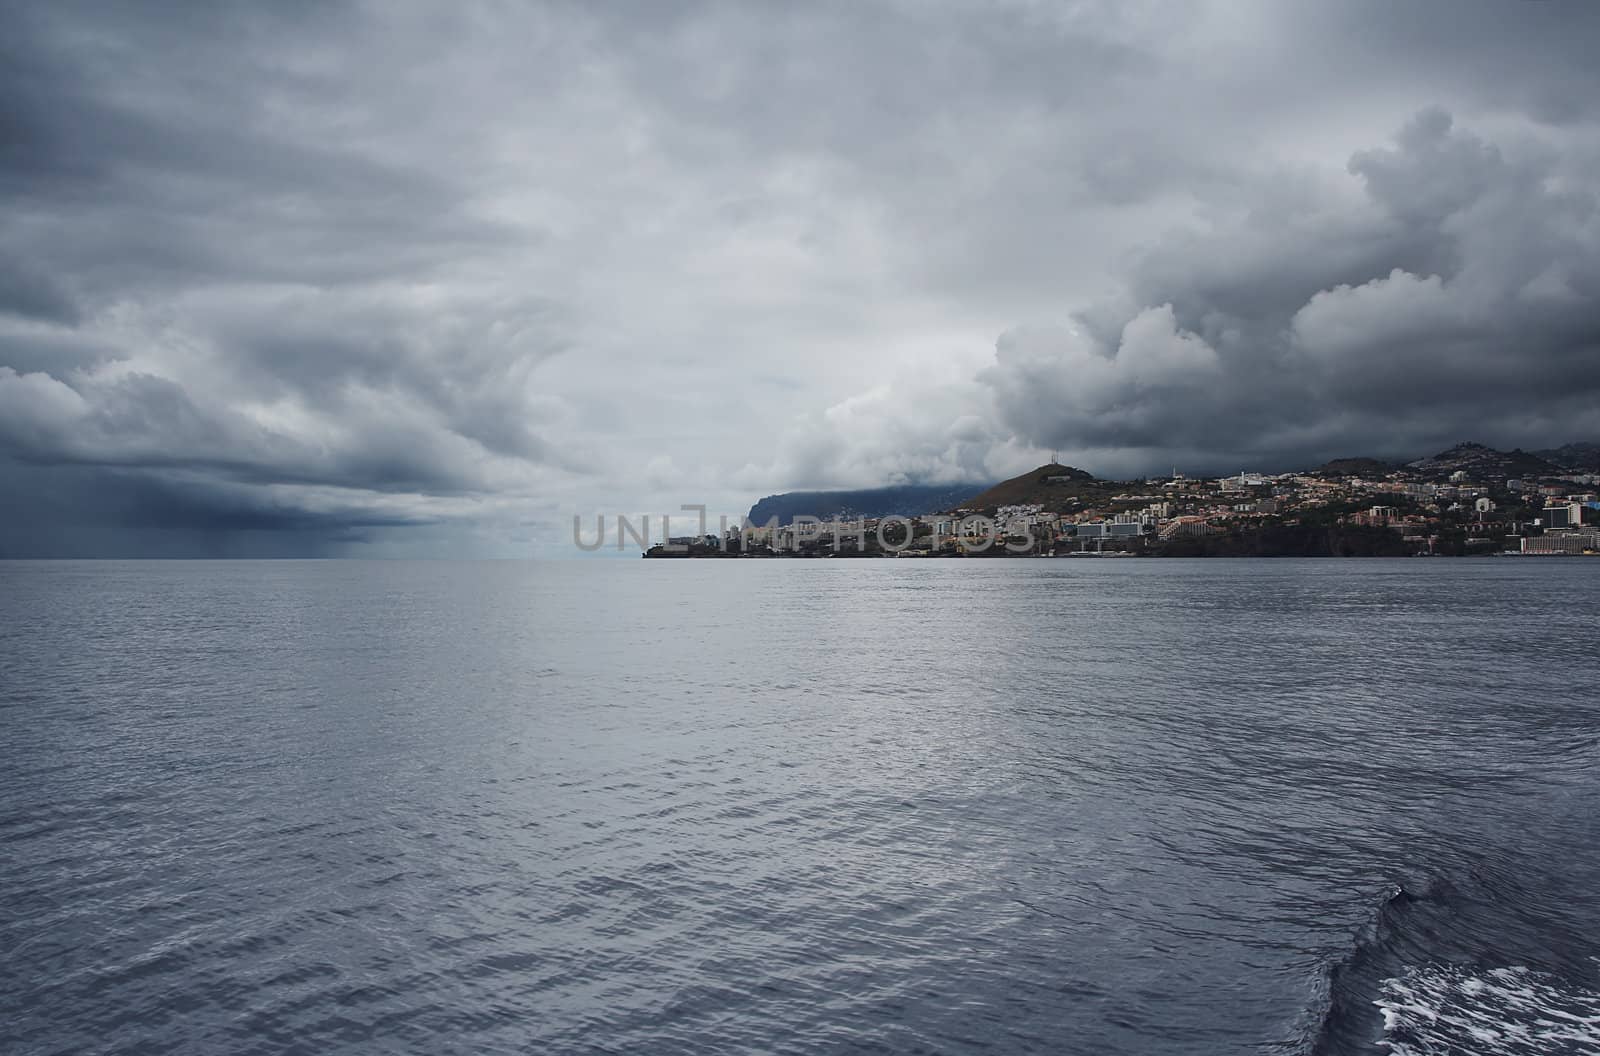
(1445, 1010)
(1441, 972)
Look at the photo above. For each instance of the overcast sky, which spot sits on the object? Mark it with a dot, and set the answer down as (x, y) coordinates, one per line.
(428, 279)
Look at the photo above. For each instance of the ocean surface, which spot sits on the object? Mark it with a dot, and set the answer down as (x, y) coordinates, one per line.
(1100, 807)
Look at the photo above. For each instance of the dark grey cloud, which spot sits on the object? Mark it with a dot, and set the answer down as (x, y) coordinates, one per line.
(1455, 298)
(429, 270)
(222, 255)
(94, 511)
(26, 292)
(145, 151)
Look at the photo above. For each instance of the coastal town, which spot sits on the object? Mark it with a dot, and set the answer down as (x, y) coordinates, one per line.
(1467, 501)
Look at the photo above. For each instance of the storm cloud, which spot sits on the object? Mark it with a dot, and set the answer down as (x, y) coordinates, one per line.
(1454, 297)
(380, 277)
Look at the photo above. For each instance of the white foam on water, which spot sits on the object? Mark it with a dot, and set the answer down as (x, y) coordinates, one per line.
(1450, 1011)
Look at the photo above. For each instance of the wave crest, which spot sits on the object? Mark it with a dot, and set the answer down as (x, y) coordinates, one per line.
(1445, 1010)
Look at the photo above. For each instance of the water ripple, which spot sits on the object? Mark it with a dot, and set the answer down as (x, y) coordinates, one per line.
(830, 807)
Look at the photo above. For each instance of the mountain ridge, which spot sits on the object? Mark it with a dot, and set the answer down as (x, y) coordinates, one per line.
(1487, 462)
